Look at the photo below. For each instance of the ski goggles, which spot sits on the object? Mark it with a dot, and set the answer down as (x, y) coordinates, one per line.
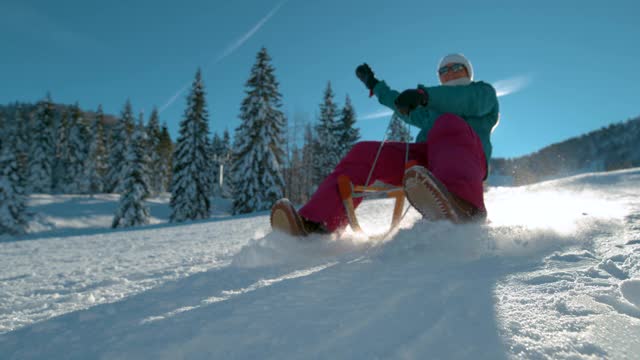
(453, 68)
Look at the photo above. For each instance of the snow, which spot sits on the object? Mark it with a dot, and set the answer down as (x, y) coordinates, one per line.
(555, 274)
(631, 291)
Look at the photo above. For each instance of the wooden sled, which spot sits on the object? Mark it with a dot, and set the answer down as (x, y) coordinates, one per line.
(348, 192)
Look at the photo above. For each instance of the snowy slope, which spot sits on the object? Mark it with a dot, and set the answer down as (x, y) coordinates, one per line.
(556, 274)
(82, 214)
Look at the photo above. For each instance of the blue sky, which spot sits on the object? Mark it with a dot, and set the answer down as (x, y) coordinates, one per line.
(575, 64)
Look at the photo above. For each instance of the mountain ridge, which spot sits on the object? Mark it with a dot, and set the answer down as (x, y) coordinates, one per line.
(612, 147)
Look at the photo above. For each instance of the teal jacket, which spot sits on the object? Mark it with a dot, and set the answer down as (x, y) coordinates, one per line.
(476, 103)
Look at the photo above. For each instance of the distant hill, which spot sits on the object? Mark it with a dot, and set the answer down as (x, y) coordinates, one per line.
(614, 147)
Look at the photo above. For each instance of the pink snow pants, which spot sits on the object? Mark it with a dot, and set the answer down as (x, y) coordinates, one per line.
(453, 153)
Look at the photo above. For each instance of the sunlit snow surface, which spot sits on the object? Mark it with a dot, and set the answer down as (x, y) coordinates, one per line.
(555, 273)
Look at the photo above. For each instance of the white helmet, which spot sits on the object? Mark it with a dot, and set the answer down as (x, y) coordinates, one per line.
(457, 59)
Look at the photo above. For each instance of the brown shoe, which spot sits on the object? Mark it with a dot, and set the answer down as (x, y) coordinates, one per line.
(285, 218)
(432, 199)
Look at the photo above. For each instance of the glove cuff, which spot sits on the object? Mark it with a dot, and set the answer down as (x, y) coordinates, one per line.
(425, 97)
(371, 83)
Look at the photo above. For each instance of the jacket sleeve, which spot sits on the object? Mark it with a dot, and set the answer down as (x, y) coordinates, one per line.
(421, 117)
(386, 96)
(476, 99)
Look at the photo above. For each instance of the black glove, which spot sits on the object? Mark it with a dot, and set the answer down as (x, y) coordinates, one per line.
(365, 74)
(410, 99)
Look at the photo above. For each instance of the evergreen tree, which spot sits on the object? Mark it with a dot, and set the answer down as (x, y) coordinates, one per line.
(120, 137)
(155, 161)
(216, 145)
(221, 156)
(42, 151)
(327, 140)
(61, 177)
(166, 158)
(258, 154)
(308, 161)
(348, 134)
(226, 144)
(22, 143)
(132, 210)
(296, 177)
(78, 152)
(62, 135)
(13, 214)
(16, 132)
(3, 127)
(191, 184)
(225, 154)
(96, 169)
(217, 157)
(398, 130)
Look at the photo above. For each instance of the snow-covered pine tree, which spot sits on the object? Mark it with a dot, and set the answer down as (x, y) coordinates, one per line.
(132, 210)
(221, 156)
(217, 159)
(227, 154)
(42, 150)
(258, 143)
(120, 137)
(226, 144)
(155, 161)
(292, 172)
(348, 133)
(166, 158)
(191, 184)
(61, 177)
(96, 169)
(308, 160)
(327, 138)
(295, 177)
(22, 143)
(216, 144)
(78, 152)
(398, 130)
(13, 213)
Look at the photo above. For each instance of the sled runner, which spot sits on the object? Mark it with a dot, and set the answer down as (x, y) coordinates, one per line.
(348, 192)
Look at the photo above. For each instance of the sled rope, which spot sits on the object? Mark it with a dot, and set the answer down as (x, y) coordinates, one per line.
(348, 191)
(375, 160)
(384, 139)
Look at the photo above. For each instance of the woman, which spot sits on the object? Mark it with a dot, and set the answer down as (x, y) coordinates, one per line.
(446, 166)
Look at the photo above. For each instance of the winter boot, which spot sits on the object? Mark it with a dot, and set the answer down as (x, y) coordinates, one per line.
(286, 219)
(432, 199)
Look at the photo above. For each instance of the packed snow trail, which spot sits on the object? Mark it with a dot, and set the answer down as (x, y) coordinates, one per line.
(555, 281)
